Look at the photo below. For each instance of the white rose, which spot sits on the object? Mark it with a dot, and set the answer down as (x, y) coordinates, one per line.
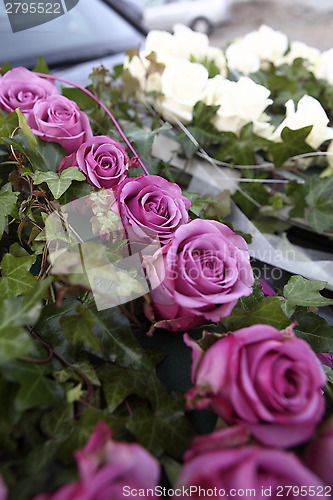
(240, 58)
(268, 44)
(137, 66)
(241, 102)
(162, 43)
(189, 42)
(300, 49)
(309, 112)
(183, 85)
(217, 56)
(324, 66)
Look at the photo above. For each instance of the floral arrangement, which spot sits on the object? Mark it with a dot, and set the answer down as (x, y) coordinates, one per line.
(140, 355)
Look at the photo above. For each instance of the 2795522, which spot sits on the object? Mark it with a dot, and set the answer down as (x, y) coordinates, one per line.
(33, 8)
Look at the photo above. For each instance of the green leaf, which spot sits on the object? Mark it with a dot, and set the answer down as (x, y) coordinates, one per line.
(41, 66)
(82, 99)
(16, 312)
(78, 330)
(51, 154)
(241, 150)
(314, 329)
(320, 199)
(117, 340)
(118, 383)
(144, 140)
(8, 123)
(203, 114)
(300, 291)
(58, 422)
(297, 194)
(249, 303)
(26, 130)
(293, 143)
(162, 431)
(198, 202)
(16, 278)
(267, 312)
(8, 205)
(5, 67)
(36, 388)
(59, 184)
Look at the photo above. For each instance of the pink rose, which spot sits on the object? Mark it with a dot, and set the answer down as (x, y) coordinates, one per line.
(103, 160)
(319, 452)
(58, 119)
(3, 489)
(222, 472)
(199, 276)
(106, 467)
(21, 88)
(269, 380)
(151, 208)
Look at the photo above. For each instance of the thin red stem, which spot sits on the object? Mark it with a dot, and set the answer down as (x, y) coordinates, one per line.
(102, 106)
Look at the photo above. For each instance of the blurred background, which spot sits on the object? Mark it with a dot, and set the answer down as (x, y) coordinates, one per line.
(309, 21)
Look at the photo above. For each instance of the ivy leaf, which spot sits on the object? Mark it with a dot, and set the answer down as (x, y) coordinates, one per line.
(117, 340)
(267, 312)
(16, 312)
(314, 329)
(36, 388)
(293, 143)
(297, 194)
(78, 329)
(249, 303)
(144, 140)
(203, 114)
(165, 430)
(241, 150)
(8, 206)
(16, 278)
(59, 184)
(300, 291)
(51, 154)
(58, 422)
(119, 383)
(320, 199)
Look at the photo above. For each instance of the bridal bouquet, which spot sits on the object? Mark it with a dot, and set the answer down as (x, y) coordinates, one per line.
(141, 355)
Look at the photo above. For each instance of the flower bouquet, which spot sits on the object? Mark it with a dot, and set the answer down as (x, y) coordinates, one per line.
(140, 353)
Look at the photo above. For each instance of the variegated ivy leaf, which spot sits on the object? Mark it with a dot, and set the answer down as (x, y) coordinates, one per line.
(58, 184)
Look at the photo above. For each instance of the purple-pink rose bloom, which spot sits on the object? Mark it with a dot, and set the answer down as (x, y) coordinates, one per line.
(227, 471)
(58, 119)
(151, 208)
(21, 88)
(319, 452)
(103, 160)
(199, 276)
(106, 467)
(269, 380)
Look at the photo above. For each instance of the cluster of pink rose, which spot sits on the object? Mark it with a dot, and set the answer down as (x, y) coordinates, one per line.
(202, 267)
(262, 382)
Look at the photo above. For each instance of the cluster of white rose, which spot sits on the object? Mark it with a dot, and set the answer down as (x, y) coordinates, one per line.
(182, 79)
